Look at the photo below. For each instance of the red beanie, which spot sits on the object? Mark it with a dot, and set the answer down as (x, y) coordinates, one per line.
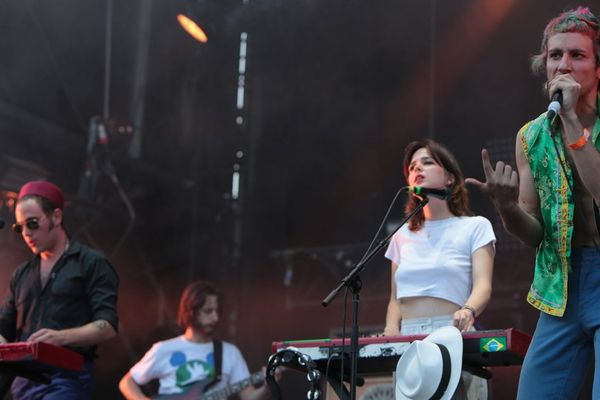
(44, 189)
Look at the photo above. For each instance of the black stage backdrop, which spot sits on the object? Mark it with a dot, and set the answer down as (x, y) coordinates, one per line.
(333, 91)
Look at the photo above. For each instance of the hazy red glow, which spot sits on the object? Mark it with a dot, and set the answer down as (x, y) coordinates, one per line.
(473, 31)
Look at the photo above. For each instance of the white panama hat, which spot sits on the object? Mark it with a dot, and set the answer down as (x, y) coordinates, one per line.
(431, 368)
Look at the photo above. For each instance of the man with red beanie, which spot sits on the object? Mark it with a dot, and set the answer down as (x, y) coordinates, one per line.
(66, 295)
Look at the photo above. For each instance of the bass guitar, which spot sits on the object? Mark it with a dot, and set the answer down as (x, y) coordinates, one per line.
(197, 390)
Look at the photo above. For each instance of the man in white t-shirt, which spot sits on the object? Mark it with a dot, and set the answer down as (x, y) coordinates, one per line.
(186, 363)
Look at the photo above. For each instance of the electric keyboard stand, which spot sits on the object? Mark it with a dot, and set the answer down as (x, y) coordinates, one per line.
(338, 387)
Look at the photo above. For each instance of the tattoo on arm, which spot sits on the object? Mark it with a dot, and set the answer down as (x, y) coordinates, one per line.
(100, 324)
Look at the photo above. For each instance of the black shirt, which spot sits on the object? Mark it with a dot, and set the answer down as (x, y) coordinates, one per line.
(81, 288)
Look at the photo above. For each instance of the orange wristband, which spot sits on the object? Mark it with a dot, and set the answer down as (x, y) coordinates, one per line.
(581, 142)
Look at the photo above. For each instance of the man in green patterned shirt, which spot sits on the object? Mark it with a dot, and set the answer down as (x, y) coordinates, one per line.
(550, 204)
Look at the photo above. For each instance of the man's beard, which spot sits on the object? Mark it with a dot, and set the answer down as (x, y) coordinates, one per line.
(205, 329)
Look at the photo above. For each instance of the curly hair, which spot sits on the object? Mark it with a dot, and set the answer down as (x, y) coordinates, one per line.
(192, 299)
(580, 20)
(458, 203)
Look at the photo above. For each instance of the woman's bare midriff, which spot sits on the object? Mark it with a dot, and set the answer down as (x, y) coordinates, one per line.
(424, 306)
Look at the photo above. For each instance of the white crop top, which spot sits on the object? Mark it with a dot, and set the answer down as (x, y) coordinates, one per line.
(435, 261)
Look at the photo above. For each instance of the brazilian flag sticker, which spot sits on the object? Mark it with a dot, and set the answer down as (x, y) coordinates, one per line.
(492, 344)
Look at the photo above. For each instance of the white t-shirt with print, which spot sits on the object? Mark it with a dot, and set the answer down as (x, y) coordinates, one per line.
(435, 261)
(178, 363)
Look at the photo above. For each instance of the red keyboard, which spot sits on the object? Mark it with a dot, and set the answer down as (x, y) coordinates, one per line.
(39, 356)
(380, 354)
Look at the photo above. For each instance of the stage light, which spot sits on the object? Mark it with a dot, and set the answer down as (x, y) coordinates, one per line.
(192, 28)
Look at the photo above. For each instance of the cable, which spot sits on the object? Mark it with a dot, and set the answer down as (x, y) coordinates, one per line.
(343, 351)
(345, 311)
(387, 213)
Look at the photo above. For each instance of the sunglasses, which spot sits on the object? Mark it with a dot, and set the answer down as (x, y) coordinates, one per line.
(32, 224)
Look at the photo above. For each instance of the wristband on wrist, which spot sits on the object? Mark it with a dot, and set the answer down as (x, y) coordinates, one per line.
(581, 142)
(468, 307)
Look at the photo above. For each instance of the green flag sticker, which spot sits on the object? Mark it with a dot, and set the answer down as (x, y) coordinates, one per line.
(492, 344)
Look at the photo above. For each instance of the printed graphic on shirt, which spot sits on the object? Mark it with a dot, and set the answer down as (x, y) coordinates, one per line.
(189, 372)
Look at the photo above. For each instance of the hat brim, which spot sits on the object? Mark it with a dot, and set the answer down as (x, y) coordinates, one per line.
(451, 338)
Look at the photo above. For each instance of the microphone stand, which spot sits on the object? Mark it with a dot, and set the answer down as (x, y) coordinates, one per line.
(353, 282)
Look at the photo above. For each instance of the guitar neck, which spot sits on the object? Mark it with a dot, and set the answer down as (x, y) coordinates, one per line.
(234, 388)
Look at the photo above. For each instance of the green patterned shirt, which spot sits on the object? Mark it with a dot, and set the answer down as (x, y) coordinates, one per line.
(548, 291)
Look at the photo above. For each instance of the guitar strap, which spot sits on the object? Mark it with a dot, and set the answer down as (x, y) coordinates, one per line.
(218, 349)
(218, 352)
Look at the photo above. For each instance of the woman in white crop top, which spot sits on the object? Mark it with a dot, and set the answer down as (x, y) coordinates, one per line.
(442, 260)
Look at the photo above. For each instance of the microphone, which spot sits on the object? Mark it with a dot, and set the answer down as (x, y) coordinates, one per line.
(555, 104)
(442, 193)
